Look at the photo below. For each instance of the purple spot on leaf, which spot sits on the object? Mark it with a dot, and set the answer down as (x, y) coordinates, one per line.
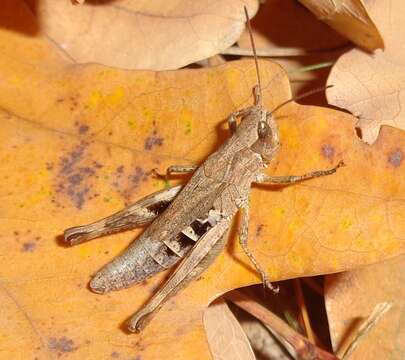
(328, 151)
(152, 141)
(83, 129)
(63, 344)
(29, 247)
(395, 157)
(72, 179)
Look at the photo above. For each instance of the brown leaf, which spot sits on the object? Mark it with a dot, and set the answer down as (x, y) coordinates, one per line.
(370, 86)
(351, 297)
(78, 142)
(225, 335)
(350, 18)
(156, 35)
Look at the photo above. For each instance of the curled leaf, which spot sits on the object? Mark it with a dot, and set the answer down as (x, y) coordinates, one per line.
(349, 18)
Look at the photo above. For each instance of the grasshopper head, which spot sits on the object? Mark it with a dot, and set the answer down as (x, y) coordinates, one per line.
(268, 142)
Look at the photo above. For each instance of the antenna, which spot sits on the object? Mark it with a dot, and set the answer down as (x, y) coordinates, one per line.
(301, 96)
(254, 52)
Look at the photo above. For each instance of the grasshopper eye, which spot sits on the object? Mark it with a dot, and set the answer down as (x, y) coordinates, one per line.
(263, 129)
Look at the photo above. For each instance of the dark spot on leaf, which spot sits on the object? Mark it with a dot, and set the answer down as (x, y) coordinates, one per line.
(60, 100)
(97, 165)
(152, 141)
(83, 129)
(140, 346)
(395, 157)
(120, 169)
(328, 151)
(62, 344)
(115, 355)
(259, 229)
(16, 233)
(28, 247)
(49, 166)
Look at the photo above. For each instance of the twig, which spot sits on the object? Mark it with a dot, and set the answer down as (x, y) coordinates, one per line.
(368, 324)
(312, 67)
(303, 310)
(309, 281)
(303, 347)
(279, 52)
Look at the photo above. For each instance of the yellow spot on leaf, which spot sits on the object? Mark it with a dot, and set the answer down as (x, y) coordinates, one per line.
(147, 113)
(346, 223)
(85, 251)
(97, 98)
(186, 120)
(94, 99)
(278, 212)
(131, 122)
(363, 244)
(116, 96)
(293, 226)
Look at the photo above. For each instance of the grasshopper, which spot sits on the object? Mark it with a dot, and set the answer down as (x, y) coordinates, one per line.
(190, 223)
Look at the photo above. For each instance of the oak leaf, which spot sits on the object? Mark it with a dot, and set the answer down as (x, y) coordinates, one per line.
(226, 338)
(156, 35)
(78, 142)
(350, 298)
(371, 86)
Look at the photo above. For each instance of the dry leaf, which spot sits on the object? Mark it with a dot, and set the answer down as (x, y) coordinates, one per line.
(78, 142)
(225, 335)
(351, 297)
(350, 18)
(370, 86)
(131, 34)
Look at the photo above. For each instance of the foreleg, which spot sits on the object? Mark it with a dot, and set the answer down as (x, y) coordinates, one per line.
(292, 179)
